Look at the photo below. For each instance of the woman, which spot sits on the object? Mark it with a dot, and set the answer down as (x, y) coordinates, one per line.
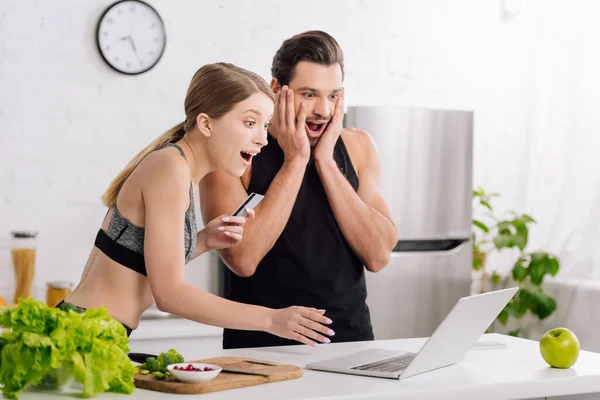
(149, 232)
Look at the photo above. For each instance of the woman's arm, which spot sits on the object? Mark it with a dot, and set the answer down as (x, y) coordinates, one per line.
(222, 232)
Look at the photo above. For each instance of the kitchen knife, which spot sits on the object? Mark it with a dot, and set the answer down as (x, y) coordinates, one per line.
(140, 357)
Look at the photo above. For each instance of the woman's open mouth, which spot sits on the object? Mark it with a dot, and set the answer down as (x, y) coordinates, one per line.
(247, 157)
(315, 128)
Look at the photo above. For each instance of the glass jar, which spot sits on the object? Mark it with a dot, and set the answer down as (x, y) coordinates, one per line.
(57, 379)
(23, 246)
(57, 291)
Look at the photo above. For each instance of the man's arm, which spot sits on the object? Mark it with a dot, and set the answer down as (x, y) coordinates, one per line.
(363, 216)
(221, 193)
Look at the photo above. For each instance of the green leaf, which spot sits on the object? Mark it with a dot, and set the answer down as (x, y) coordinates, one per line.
(502, 241)
(503, 316)
(548, 309)
(514, 332)
(543, 306)
(504, 227)
(519, 240)
(477, 264)
(552, 266)
(525, 301)
(496, 278)
(528, 219)
(521, 236)
(537, 256)
(486, 204)
(481, 226)
(512, 309)
(537, 270)
(519, 273)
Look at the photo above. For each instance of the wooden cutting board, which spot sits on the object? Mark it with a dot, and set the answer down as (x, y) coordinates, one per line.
(269, 372)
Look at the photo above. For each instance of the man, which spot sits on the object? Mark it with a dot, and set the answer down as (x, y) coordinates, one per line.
(323, 218)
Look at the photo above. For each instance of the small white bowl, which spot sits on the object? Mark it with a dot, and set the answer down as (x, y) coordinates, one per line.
(194, 376)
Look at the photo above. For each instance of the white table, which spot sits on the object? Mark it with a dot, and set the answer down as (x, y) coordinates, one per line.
(514, 372)
(153, 333)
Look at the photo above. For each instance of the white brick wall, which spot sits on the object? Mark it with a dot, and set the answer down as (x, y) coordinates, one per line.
(68, 123)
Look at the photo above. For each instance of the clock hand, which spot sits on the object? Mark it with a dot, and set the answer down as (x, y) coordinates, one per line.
(133, 45)
(128, 37)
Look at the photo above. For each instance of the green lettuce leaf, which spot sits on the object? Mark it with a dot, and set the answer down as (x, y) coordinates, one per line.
(38, 340)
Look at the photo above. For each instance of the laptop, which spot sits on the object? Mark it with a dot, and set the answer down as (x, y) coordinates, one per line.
(451, 341)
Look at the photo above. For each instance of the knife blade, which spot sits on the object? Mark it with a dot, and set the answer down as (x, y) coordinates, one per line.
(140, 357)
(236, 371)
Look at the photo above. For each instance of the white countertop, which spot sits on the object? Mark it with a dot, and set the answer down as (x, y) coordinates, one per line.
(514, 372)
(169, 328)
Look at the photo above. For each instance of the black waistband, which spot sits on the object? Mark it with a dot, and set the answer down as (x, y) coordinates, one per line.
(120, 254)
(65, 306)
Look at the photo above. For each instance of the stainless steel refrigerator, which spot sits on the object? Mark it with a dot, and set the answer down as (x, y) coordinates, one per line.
(426, 164)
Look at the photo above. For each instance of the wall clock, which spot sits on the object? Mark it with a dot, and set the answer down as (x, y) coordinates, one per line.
(131, 36)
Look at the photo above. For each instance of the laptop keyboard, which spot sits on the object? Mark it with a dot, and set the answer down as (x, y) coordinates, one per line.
(394, 364)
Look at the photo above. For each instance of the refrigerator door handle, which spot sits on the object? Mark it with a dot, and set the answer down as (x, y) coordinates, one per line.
(429, 245)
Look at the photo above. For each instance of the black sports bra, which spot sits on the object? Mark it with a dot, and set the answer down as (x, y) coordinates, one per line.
(123, 242)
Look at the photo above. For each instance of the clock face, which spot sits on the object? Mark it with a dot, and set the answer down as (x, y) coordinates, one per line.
(131, 36)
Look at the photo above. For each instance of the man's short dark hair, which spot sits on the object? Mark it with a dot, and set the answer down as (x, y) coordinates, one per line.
(313, 46)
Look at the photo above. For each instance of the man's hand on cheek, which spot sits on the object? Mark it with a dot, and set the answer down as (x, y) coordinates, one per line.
(324, 149)
(291, 133)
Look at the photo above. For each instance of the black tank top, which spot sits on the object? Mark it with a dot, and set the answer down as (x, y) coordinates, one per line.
(311, 263)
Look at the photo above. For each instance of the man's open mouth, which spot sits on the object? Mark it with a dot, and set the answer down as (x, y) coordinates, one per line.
(315, 128)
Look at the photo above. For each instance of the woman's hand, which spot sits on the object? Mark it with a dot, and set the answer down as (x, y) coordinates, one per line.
(224, 231)
(302, 324)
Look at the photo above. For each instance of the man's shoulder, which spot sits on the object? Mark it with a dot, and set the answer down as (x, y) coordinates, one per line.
(359, 144)
(353, 135)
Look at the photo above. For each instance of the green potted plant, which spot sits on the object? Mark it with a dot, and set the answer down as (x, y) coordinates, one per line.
(494, 234)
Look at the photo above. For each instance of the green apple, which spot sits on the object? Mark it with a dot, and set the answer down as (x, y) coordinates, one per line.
(560, 348)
